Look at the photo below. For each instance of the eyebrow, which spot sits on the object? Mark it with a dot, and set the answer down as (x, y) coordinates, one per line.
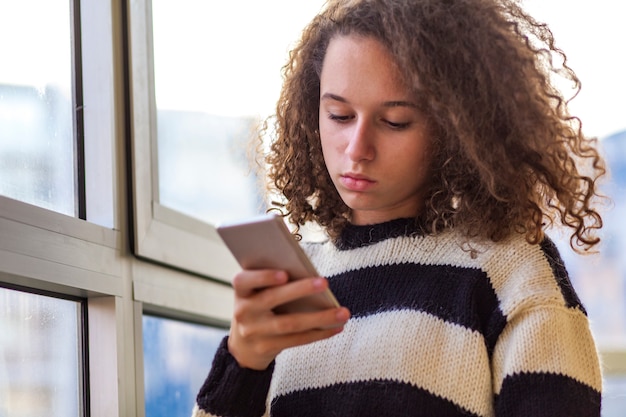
(398, 103)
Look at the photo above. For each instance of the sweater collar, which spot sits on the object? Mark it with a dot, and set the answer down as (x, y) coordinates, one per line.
(356, 236)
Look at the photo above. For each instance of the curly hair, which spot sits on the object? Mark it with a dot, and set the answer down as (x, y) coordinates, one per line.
(508, 156)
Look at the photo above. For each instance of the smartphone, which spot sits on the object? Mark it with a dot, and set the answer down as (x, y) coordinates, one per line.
(265, 242)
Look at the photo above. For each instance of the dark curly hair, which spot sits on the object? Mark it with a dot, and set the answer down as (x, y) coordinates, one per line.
(508, 156)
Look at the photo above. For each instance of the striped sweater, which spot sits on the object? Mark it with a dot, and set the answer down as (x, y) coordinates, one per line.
(436, 330)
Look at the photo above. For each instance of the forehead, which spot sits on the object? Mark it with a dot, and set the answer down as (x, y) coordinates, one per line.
(361, 63)
(346, 49)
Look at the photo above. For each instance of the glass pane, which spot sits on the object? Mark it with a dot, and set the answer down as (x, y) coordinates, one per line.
(614, 396)
(36, 133)
(177, 358)
(39, 356)
(217, 73)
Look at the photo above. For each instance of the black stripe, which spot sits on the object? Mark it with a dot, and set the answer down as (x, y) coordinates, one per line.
(443, 291)
(365, 399)
(230, 390)
(553, 256)
(546, 395)
(357, 236)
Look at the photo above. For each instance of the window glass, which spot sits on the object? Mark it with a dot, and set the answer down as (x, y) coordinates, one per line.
(614, 396)
(177, 359)
(40, 356)
(36, 128)
(600, 278)
(217, 75)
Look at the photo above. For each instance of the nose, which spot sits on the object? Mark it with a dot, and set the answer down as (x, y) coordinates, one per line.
(360, 145)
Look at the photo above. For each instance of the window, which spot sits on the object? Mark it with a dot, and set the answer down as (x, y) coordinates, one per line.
(192, 125)
(41, 355)
(176, 362)
(37, 140)
(63, 265)
(599, 279)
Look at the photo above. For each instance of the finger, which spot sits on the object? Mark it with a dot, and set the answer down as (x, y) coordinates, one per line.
(248, 282)
(296, 323)
(271, 298)
(297, 339)
(261, 353)
(255, 345)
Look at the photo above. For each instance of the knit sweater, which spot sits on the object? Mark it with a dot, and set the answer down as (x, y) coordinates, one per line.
(437, 329)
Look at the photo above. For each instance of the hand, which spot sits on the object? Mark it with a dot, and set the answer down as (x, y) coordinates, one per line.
(258, 335)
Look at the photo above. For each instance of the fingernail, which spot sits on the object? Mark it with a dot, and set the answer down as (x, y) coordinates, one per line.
(281, 276)
(343, 314)
(319, 283)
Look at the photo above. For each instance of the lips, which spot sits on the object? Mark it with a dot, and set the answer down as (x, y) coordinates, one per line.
(356, 182)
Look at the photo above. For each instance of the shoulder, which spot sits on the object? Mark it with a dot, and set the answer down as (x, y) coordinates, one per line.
(526, 275)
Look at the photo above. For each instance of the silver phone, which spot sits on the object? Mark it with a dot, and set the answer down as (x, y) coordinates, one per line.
(265, 242)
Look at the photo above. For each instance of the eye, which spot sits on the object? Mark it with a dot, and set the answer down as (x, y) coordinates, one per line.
(397, 125)
(339, 118)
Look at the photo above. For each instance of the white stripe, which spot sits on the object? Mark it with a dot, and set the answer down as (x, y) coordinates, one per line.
(448, 360)
(553, 340)
(427, 250)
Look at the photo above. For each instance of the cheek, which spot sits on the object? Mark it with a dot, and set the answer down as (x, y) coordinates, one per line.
(326, 154)
(425, 164)
(419, 157)
(328, 145)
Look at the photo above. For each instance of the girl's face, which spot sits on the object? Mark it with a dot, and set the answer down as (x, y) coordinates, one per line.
(374, 138)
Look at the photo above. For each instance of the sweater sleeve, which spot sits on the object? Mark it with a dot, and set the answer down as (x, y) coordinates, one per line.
(545, 364)
(232, 391)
